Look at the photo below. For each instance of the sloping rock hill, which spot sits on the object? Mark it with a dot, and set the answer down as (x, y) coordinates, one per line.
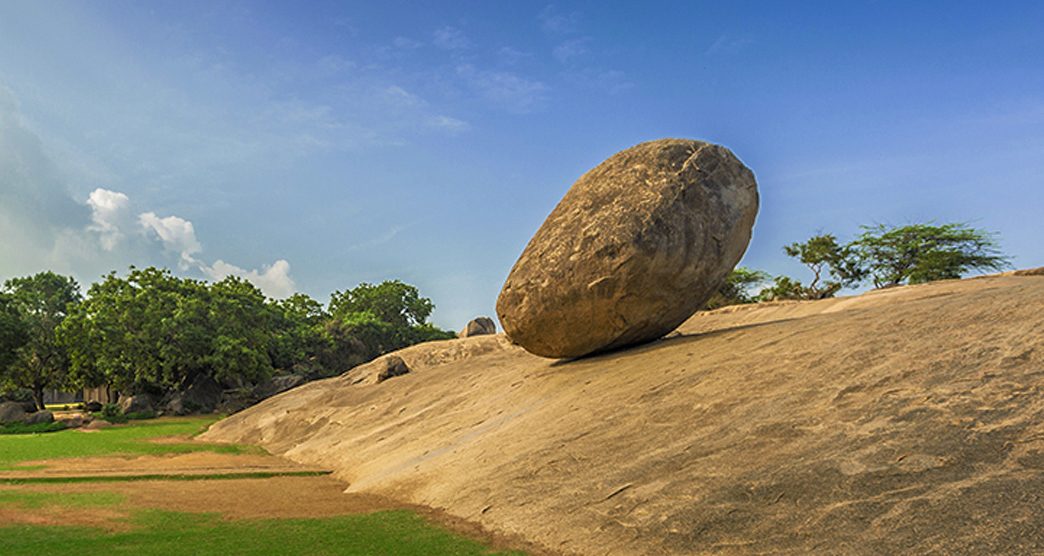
(908, 420)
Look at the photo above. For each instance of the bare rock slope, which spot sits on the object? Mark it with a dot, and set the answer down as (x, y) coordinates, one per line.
(902, 421)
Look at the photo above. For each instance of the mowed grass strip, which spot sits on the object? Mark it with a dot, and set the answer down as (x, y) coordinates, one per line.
(36, 500)
(129, 440)
(158, 477)
(163, 533)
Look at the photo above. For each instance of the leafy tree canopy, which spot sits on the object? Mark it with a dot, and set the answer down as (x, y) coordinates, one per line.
(14, 332)
(391, 301)
(42, 301)
(920, 253)
(737, 288)
(831, 264)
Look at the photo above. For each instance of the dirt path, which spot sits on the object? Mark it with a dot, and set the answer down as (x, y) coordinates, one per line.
(194, 463)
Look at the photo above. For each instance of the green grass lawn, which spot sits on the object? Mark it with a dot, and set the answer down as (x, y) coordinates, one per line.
(150, 531)
(122, 440)
(163, 532)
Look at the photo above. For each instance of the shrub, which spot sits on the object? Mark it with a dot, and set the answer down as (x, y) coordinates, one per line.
(22, 428)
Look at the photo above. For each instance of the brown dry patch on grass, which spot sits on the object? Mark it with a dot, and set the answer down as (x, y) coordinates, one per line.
(234, 499)
(285, 497)
(193, 463)
(109, 519)
(271, 498)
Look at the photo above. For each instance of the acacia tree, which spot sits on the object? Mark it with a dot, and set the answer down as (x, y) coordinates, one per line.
(920, 253)
(43, 301)
(833, 267)
(736, 289)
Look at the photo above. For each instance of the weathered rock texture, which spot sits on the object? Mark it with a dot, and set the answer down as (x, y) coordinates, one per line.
(902, 421)
(636, 246)
(12, 412)
(138, 403)
(478, 326)
(378, 370)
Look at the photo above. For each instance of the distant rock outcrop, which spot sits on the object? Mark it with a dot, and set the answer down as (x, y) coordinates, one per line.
(15, 412)
(203, 395)
(39, 418)
(479, 326)
(12, 412)
(635, 247)
(138, 403)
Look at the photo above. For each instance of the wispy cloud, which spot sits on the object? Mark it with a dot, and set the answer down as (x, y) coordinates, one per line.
(504, 89)
(406, 43)
(728, 44)
(612, 82)
(450, 38)
(570, 50)
(449, 124)
(510, 56)
(554, 20)
(378, 240)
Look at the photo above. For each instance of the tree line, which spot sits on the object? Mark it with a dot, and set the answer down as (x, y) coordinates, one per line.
(882, 255)
(152, 332)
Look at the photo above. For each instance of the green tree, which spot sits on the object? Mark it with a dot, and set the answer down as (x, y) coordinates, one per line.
(920, 253)
(376, 319)
(391, 301)
(300, 339)
(242, 329)
(43, 301)
(832, 264)
(14, 333)
(737, 287)
(139, 332)
(154, 332)
(782, 288)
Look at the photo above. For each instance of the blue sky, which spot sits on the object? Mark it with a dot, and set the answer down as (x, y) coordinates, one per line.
(312, 146)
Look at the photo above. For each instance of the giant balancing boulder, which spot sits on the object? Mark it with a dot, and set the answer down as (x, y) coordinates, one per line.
(635, 247)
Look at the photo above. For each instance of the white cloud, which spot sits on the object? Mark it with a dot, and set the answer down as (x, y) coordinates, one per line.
(176, 234)
(450, 38)
(109, 210)
(273, 280)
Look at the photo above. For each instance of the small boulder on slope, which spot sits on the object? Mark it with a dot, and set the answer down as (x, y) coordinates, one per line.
(478, 326)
